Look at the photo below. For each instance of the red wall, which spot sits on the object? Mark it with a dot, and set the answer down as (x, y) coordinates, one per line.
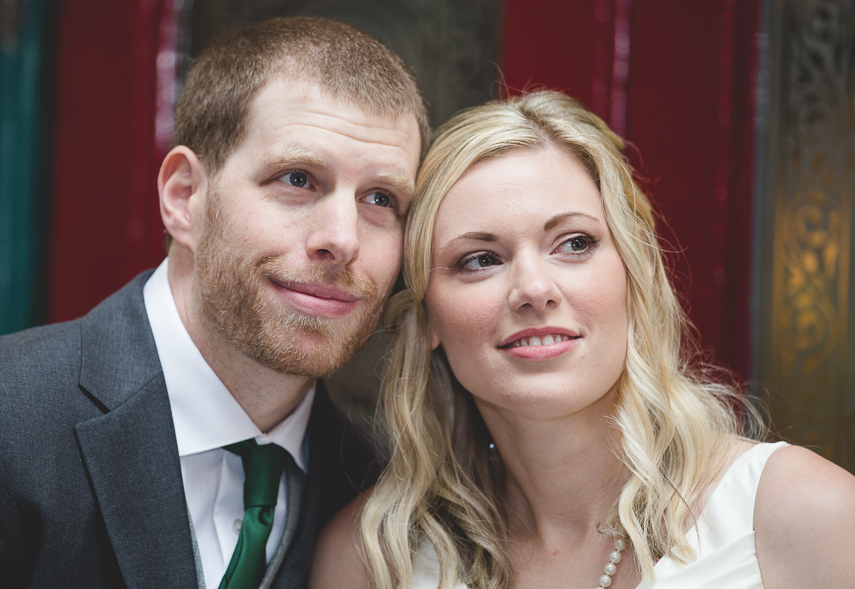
(106, 225)
(689, 107)
(684, 99)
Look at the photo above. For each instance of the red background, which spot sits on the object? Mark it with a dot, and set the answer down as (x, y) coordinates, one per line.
(106, 225)
(689, 114)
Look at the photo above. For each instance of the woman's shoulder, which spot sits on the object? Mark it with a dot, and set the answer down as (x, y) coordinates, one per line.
(337, 561)
(804, 521)
(799, 485)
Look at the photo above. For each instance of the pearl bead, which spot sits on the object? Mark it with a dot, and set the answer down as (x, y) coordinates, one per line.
(611, 566)
(610, 569)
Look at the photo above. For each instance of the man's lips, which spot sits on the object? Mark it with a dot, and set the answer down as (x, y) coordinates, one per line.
(322, 291)
(540, 343)
(316, 299)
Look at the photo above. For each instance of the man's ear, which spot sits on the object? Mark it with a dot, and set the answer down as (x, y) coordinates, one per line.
(182, 182)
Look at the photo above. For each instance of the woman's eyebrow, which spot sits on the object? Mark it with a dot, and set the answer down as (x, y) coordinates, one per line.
(474, 235)
(553, 221)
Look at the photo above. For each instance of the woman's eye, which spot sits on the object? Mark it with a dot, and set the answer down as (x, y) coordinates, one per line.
(479, 261)
(298, 179)
(578, 245)
(379, 199)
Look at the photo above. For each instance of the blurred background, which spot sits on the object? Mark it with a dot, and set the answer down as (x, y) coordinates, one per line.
(740, 116)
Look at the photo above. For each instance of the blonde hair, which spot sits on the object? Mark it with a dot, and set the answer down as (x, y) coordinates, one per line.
(674, 420)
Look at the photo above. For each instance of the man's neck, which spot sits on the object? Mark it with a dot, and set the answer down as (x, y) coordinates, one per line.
(267, 396)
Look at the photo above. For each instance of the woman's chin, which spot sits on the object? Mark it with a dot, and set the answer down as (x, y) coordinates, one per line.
(539, 400)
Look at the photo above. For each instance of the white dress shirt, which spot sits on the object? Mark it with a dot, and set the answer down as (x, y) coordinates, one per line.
(206, 418)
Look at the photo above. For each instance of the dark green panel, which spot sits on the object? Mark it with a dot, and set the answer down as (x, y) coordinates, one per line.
(24, 167)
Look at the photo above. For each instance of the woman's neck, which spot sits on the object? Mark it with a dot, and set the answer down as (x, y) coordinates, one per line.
(562, 476)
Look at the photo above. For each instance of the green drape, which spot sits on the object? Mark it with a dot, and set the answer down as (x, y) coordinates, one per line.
(24, 164)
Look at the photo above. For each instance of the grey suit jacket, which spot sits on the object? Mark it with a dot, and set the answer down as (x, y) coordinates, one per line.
(90, 481)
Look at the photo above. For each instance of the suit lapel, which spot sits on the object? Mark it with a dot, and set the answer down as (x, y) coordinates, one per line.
(132, 459)
(131, 455)
(130, 452)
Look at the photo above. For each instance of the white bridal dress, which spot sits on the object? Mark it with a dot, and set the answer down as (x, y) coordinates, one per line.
(723, 538)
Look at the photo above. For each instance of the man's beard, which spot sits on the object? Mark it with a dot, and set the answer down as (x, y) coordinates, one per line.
(233, 302)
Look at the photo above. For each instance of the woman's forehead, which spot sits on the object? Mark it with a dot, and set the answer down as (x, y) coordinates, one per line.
(519, 185)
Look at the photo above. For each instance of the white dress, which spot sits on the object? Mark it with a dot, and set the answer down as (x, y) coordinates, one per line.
(723, 538)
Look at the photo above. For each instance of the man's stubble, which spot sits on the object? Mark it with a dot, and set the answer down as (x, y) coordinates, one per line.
(235, 307)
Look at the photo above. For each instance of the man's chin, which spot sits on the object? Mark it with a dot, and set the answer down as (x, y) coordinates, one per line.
(314, 364)
(313, 349)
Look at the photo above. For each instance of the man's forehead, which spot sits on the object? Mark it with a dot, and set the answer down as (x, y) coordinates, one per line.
(312, 101)
(295, 115)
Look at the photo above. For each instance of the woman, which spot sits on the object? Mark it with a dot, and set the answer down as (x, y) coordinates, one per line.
(548, 426)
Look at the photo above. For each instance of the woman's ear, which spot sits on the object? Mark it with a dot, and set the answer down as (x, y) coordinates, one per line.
(182, 181)
(434, 338)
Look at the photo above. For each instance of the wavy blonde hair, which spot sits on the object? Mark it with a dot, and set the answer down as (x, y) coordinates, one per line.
(441, 485)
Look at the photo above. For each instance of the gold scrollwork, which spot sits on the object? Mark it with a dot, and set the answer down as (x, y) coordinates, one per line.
(811, 294)
(811, 269)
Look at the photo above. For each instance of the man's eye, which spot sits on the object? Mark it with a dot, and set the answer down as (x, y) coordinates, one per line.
(298, 179)
(379, 199)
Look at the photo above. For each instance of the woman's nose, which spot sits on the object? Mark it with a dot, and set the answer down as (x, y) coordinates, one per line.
(533, 285)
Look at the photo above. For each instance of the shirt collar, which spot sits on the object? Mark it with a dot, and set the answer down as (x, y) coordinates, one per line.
(205, 414)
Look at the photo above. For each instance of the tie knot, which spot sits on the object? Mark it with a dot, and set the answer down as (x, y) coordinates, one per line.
(262, 466)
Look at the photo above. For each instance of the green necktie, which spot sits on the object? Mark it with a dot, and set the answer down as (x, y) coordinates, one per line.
(263, 467)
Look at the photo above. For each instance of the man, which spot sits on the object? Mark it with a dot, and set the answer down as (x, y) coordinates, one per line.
(177, 436)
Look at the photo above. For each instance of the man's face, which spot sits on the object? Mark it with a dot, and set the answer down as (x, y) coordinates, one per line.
(303, 229)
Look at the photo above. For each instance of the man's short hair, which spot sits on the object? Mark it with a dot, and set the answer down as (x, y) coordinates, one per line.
(346, 64)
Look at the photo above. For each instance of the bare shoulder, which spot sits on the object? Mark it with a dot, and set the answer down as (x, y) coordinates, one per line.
(804, 521)
(336, 562)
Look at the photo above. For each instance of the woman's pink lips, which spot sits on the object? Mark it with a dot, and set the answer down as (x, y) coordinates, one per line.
(542, 352)
(546, 352)
(538, 332)
(316, 299)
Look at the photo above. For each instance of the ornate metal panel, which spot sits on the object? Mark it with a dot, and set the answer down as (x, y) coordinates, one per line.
(806, 324)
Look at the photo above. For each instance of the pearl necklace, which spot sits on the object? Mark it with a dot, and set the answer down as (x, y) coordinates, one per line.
(611, 566)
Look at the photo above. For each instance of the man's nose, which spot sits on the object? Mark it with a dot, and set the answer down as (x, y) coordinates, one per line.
(334, 234)
(533, 286)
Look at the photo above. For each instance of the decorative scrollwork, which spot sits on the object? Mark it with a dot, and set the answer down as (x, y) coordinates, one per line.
(811, 261)
(816, 170)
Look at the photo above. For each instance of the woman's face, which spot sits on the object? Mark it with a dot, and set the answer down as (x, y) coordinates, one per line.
(527, 292)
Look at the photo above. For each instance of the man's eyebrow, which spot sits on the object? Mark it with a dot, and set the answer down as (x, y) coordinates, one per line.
(295, 154)
(402, 183)
(474, 235)
(553, 221)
